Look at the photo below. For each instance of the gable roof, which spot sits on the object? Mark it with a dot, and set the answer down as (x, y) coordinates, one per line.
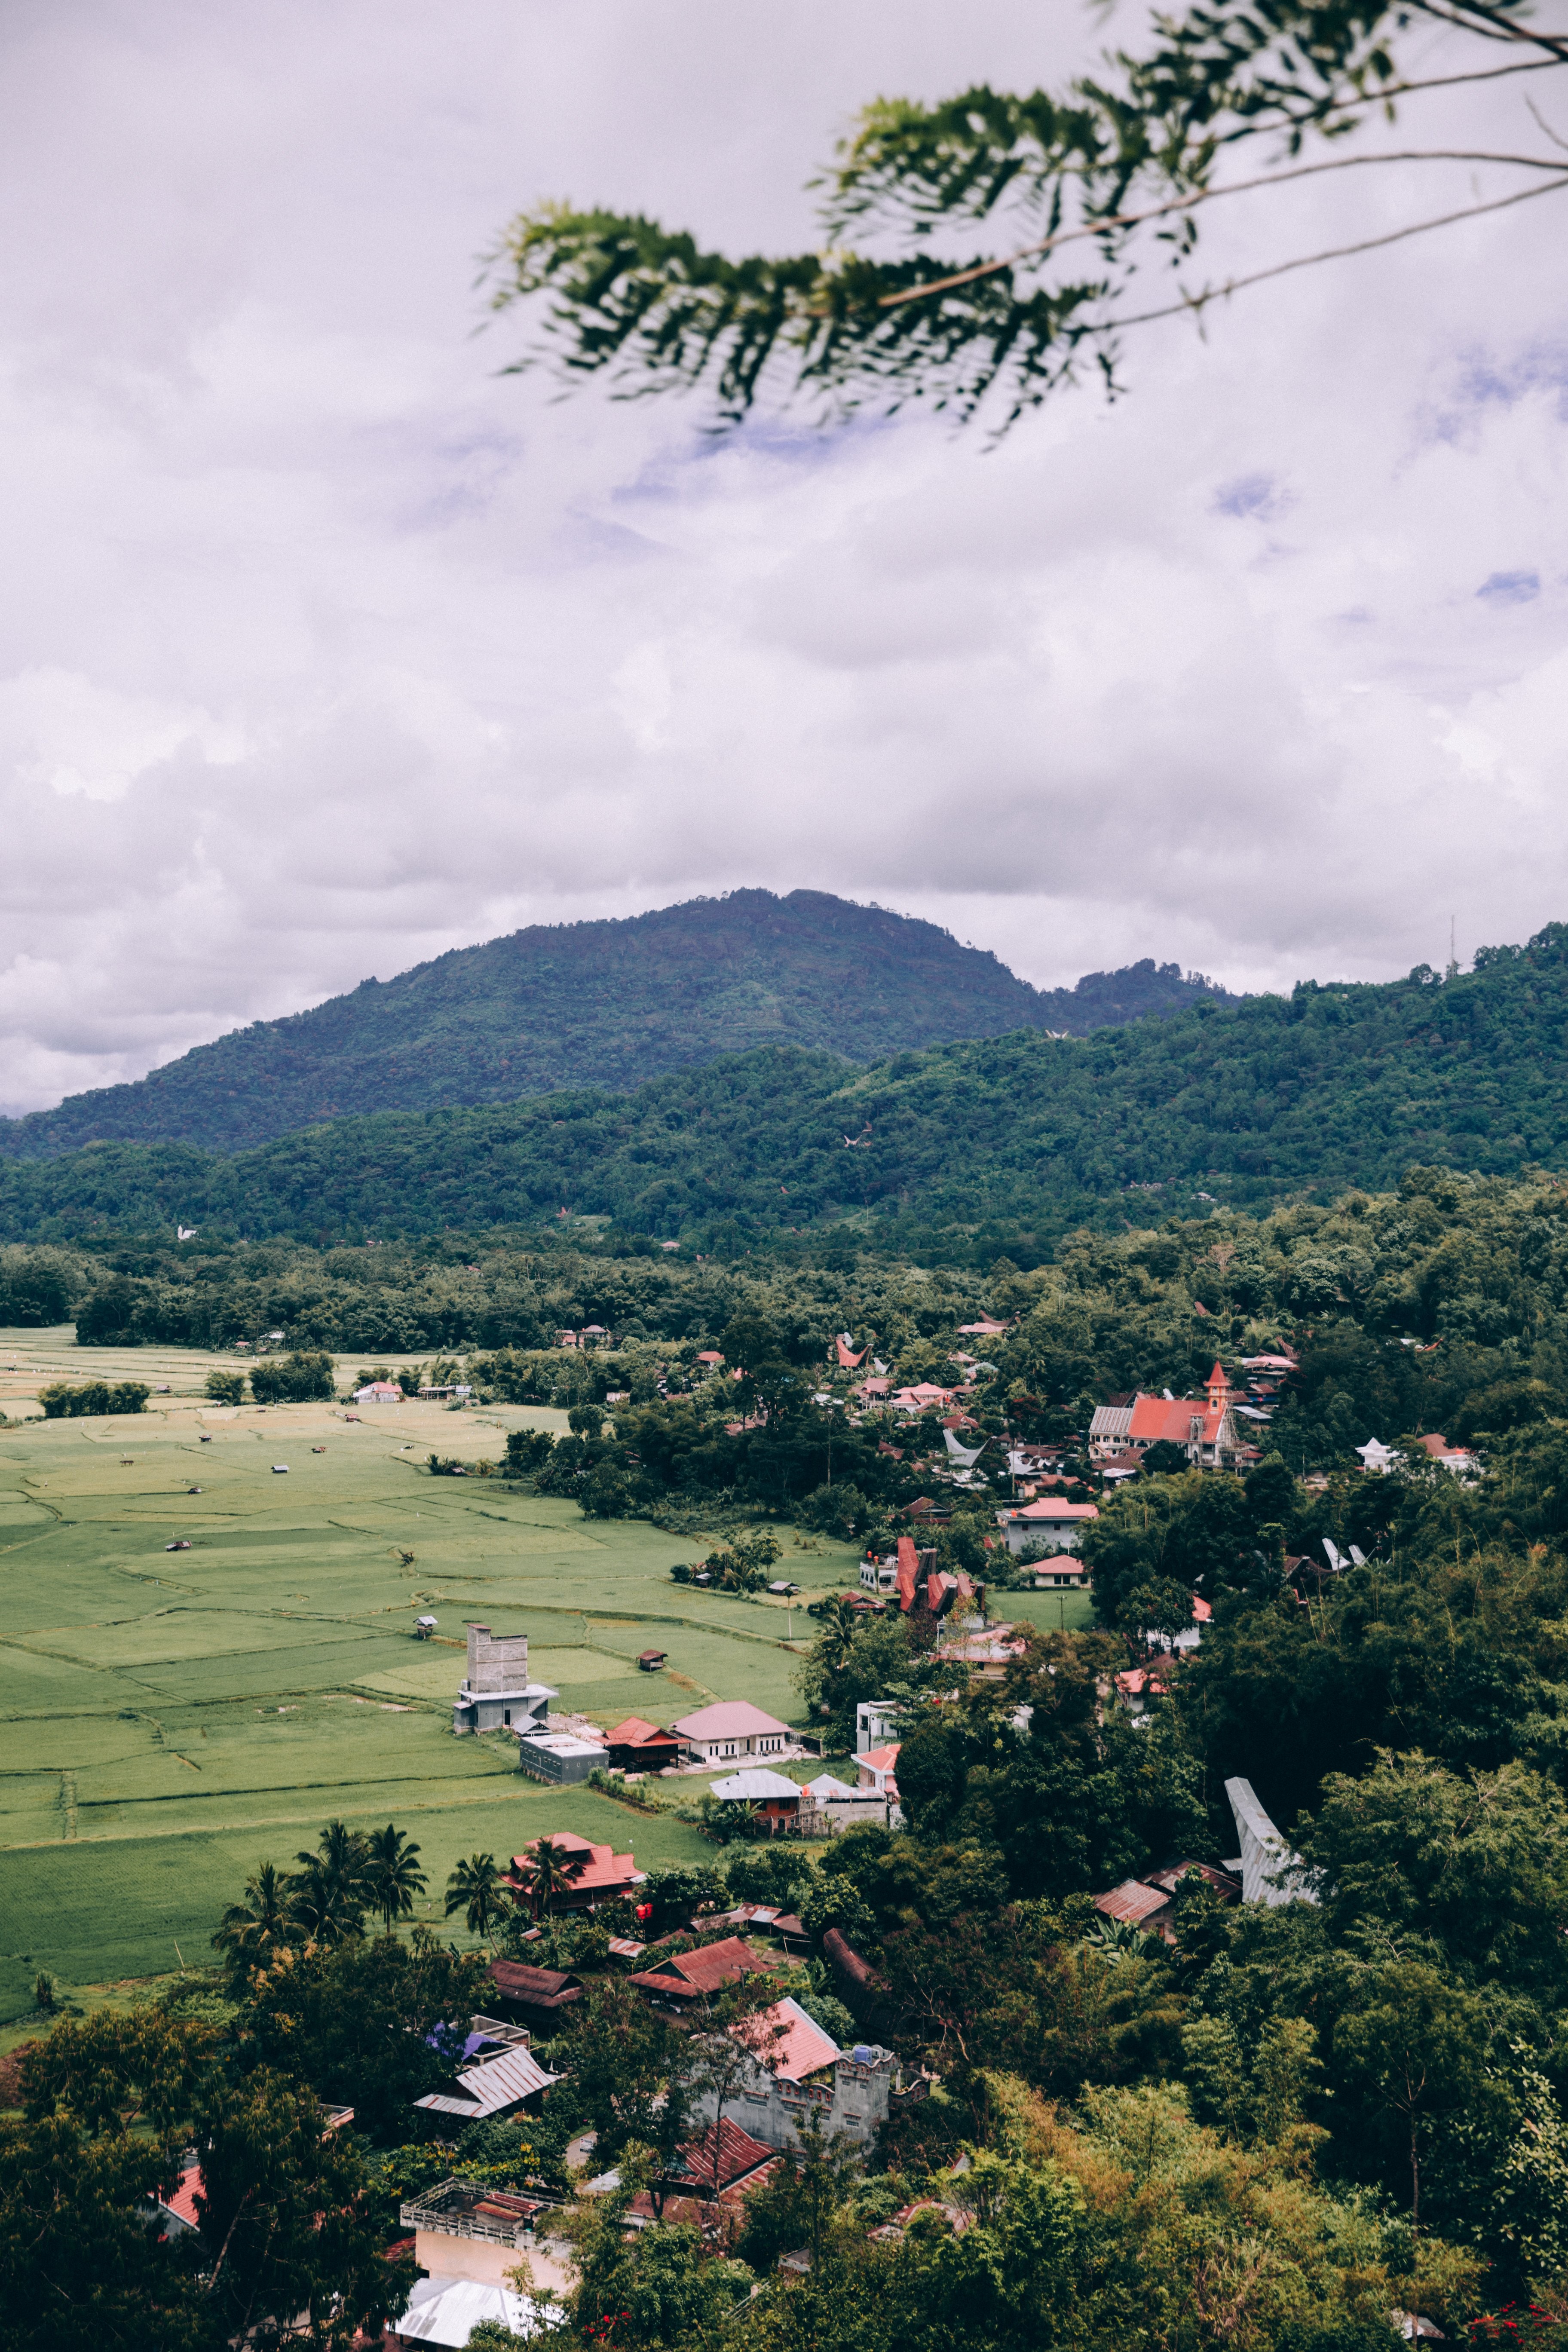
(731, 1718)
(755, 1786)
(738, 2153)
(687, 1974)
(1048, 1508)
(880, 1759)
(602, 1866)
(544, 1988)
(1172, 1418)
(1133, 1901)
(489, 2086)
(634, 1730)
(801, 2047)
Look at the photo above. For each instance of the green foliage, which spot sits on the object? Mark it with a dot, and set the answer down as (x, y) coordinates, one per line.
(1253, 1104)
(225, 1388)
(292, 1379)
(62, 1401)
(587, 1004)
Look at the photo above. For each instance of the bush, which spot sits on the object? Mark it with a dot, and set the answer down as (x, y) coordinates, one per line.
(32, 1295)
(526, 1450)
(62, 1402)
(225, 1388)
(842, 1510)
(293, 1380)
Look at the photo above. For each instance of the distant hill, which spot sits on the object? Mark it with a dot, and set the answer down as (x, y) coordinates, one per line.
(978, 1141)
(609, 1004)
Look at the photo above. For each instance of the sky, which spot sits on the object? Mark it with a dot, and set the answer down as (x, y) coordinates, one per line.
(326, 646)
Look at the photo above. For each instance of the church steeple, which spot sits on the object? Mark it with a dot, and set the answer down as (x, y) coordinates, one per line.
(1218, 1388)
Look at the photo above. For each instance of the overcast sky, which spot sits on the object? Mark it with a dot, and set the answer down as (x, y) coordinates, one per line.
(324, 647)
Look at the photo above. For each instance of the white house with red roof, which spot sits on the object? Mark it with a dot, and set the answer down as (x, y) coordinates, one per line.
(730, 1730)
(878, 1768)
(796, 2073)
(1049, 1521)
(1204, 1427)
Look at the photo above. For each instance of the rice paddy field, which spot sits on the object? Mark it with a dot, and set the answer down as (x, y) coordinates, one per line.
(171, 1718)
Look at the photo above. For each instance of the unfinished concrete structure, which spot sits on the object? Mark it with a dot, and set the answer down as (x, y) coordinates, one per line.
(1268, 1868)
(496, 1694)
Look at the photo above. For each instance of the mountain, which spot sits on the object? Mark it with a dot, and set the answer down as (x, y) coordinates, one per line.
(606, 1004)
(1020, 1136)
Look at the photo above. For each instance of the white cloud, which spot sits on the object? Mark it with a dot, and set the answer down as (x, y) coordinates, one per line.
(334, 647)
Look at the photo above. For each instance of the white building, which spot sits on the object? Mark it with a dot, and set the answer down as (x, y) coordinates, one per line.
(1033, 1526)
(732, 1728)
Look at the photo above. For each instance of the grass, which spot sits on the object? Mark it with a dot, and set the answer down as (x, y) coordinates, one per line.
(170, 1719)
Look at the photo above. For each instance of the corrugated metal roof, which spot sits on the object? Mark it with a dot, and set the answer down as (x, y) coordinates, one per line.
(489, 2087)
(1133, 1901)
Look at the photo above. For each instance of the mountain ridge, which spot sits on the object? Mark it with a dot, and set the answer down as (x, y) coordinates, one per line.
(610, 1003)
(979, 1140)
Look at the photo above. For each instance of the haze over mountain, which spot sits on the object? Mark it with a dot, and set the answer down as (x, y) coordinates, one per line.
(608, 1004)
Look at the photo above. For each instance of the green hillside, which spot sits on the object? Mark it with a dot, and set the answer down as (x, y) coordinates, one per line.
(1023, 1135)
(607, 1004)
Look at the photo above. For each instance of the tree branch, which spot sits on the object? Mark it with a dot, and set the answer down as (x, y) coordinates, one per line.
(1207, 195)
(1337, 253)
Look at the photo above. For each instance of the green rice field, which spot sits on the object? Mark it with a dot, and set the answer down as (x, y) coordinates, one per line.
(170, 1719)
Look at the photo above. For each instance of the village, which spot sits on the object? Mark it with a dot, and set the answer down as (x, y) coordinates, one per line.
(501, 2254)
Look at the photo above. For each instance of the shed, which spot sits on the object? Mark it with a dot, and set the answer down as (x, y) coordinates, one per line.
(650, 1661)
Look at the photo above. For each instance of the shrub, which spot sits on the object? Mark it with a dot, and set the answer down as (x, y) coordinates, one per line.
(526, 1450)
(293, 1380)
(842, 1510)
(62, 1402)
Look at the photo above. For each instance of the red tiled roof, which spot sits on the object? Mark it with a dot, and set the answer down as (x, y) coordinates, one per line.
(633, 1732)
(1048, 1507)
(604, 1868)
(1171, 1419)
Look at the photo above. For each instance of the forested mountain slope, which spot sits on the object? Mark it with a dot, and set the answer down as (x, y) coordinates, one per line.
(1022, 1136)
(607, 1004)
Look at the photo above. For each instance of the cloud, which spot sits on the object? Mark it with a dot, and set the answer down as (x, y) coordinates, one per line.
(334, 647)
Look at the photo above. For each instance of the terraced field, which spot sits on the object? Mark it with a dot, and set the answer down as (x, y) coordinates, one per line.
(169, 1719)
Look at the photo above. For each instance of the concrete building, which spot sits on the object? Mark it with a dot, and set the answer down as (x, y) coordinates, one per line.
(875, 1721)
(559, 1757)
(1269, 1871)
(496, 1694)
(732, 1729)
(800, 2072)
(1034, 1525)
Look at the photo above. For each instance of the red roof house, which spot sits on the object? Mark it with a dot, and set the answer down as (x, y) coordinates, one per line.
(605, 1873)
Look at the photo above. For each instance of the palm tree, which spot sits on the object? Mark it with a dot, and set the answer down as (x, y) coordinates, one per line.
(392, 1877)
(836, 1627)
(549, 1870)
(329, 1891)
(481, 1884)
(262, 1924)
